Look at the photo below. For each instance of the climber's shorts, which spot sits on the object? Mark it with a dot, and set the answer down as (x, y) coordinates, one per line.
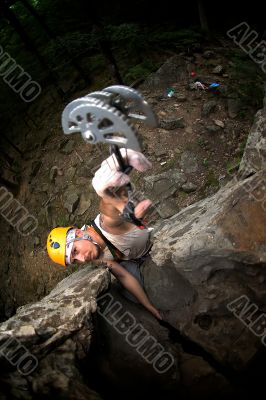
(133, 267)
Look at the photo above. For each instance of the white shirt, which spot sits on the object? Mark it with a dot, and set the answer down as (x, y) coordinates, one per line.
(133, 244)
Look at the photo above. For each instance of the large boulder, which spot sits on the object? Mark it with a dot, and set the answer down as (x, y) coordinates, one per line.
(144, 358)
(254, 157)
(205, 257)
(172, 71)
(43, 343)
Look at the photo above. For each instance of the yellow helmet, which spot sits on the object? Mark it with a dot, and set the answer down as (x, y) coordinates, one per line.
(56, 244)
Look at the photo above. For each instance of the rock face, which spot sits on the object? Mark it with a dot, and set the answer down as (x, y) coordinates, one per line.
(204, 258)
(139, 356)
(42, 344)
(172, 70)
(207, 274)
(254, 158)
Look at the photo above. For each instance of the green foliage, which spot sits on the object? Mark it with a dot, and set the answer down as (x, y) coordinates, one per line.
(62, 219)
(130, 39)
(137, 38)
(201, 142)
(249, 79)
(35, 3)
(96, 64)
(233, 165)
(242, 147)
(74, 43)
(211, 179)
(210, 182)
(177, 39)
(140, 71)
(182, 195)
(124, 33)
(205, 162)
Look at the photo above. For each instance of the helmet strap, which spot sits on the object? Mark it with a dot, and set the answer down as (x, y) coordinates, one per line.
(86, 236)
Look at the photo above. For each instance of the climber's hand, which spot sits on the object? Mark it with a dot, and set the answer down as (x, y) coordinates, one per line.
(106, 178)
(131, 157)
(108, 175)
(155, 312)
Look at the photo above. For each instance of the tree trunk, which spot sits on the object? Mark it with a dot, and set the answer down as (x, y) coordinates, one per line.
(202, 16)
(11, 17)
(7, 157)
(107, 53)
(13, 187)
(52, 35)
(12, 144)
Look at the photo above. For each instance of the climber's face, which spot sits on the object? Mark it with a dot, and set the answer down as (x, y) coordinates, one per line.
(83, 250)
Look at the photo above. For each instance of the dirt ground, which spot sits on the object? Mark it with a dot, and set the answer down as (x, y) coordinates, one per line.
(52, 167)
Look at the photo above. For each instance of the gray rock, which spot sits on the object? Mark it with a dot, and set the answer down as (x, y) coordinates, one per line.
(48, 214)
(189, 162)
(82, 182)
(213, 128)
(68, 147)
(164, 185)
(37, 241)
(172, 123)
(219, 69)
(53, 173)
(233, 107)
(168, 208)
(56, 333)
(84, 204)
(206, 252)
(219, 123)
(161, 152)
(84, 171)
(70, 173)
(172, 71)
(254, 157)
(181, 98)
(35, 167)
(124, 361)
(208, 108)
(71, 202)
(189, 187)
(44, 187)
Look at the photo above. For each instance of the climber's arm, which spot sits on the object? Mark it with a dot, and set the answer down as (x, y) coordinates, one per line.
(111, 210)
(130, 283)
(109, 183)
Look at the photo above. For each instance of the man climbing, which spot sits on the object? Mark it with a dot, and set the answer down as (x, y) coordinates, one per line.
(110, 240)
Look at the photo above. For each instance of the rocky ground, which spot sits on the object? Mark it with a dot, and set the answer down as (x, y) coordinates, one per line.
(195, 150)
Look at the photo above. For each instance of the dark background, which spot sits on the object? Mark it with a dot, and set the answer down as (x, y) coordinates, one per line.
(68, 46)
